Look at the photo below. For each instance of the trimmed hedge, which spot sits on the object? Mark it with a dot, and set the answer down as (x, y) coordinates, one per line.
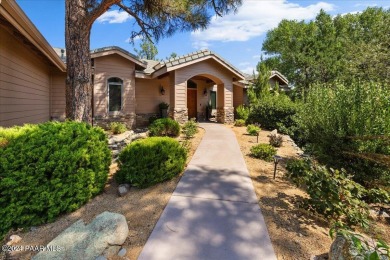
(49, 169)
(150, 161)
(164, 127)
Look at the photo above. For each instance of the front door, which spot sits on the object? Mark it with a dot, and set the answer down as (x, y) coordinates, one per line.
(191, 103)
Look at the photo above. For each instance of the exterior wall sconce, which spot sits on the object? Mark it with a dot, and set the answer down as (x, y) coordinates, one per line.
(162, 90)
(205, 92)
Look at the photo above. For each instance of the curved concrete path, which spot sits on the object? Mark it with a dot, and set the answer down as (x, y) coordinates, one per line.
(213, 213)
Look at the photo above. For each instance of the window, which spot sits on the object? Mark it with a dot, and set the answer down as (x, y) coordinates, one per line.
(213, 98)
(114, 94)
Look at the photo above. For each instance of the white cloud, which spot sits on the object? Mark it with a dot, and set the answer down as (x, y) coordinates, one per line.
(200, 44)
(248, 70)
(255, 18)
(242, 64)
(365, 4)
(257, 57)
(114, 16)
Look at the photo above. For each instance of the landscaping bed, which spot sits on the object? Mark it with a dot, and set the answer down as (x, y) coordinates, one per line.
(141, 207)
(294, 232)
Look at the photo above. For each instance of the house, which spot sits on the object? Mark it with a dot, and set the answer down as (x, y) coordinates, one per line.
(125, 88)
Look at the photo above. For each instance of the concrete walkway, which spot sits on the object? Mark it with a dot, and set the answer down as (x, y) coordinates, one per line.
(213, 213)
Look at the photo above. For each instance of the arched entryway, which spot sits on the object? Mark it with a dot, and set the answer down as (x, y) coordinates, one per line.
(204, 97)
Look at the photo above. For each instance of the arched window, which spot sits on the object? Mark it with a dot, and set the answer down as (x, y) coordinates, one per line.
(114, 94)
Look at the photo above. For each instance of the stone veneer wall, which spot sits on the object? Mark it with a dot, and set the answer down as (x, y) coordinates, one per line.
(143, 119)
(104, 122)
(225, 115)
(180, 115)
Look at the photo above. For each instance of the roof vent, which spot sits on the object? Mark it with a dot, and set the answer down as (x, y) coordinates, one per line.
(62, 53)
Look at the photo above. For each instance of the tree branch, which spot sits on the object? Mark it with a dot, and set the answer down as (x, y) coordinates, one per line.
(100, 9)
(144, 26)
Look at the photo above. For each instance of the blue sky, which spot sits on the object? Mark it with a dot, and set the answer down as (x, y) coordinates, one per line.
(237, 38)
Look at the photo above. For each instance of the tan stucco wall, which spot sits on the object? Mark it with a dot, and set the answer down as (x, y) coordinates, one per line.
(24, 83)
(210, 69)
(148, 96)
(58, 95)
(113, 66)
(238, 96)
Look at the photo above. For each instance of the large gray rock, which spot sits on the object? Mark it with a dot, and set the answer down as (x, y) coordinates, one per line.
(81, 241)
(343, 249)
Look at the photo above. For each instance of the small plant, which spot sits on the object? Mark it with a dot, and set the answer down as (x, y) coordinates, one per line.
(150, 161)
(164, 127)
(263, 151)
(253, 129)
(118, 128)
(163, 105)
(332, 193)
(242, 112)
(239, 122)
(190, 128)
(275, 140)
(163, 109)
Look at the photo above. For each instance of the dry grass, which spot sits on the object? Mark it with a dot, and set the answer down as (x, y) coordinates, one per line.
(141, 207)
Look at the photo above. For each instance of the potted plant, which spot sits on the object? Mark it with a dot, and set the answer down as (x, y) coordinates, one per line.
(163, 109)
(209, 109)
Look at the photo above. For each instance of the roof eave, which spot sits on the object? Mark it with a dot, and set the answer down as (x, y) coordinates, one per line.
(98, 54)
(11, 11)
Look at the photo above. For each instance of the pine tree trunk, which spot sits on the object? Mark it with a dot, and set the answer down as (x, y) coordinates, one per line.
(78, 62)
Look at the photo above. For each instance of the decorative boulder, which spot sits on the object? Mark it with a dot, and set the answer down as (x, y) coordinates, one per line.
(123, 189)
(81, 241)
(343, 249)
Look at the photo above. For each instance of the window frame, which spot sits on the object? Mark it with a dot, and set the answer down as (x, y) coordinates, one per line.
(108, 94)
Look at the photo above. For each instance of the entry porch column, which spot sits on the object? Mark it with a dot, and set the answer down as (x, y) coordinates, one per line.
(178, 98)
(225, 109)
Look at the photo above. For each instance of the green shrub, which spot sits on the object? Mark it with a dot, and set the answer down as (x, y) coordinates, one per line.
(164, 127)
(253, 129)
(242, 112)
(263, 151)
(349, 126)
(275, 140)
(332, 193)
(274, 112)
(150, 161)
(118, 128)
(239, 122)
(152, 119)
(190, 128)
(377, 196)
(49, 169)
